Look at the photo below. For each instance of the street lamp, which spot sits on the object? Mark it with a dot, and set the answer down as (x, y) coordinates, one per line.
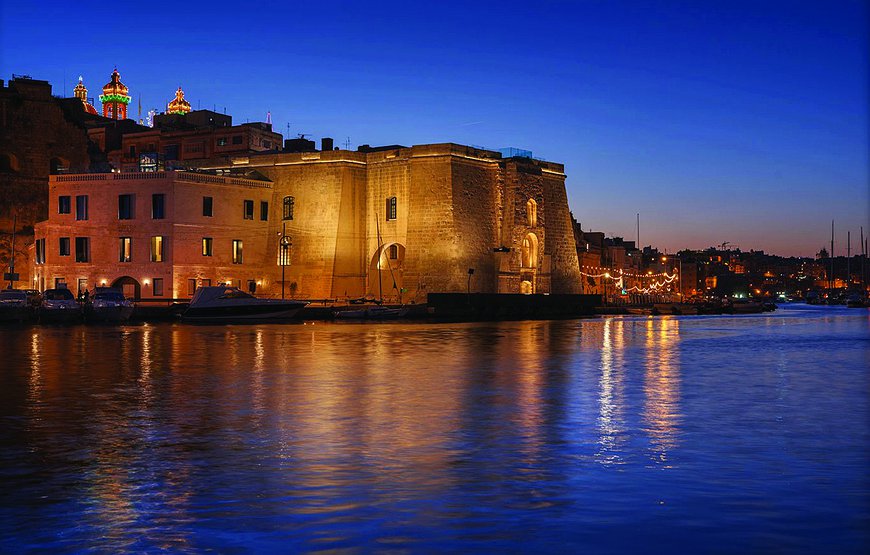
(286, 243)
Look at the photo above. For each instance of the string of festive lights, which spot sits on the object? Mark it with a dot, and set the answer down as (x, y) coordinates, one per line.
(628, 274)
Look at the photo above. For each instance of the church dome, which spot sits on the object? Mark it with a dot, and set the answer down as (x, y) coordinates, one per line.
(178, 105)
(81, 92)
(115, 98)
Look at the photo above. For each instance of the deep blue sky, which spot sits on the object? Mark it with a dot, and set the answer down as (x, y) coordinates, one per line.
(730, 121)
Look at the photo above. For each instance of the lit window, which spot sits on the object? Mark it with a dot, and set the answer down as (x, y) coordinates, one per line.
(391, 208)
(394, 252)
(125, 207)
(158, 206)
(157, 284)
(63, 246)
(248, 210)
(63, 204)
(83, 249)
(157, 248)
(288, 207)
(222, 141)
(125, 249)
(207, 206)
(206, 246)
(237, 251)
(532, 212)
(82, 207)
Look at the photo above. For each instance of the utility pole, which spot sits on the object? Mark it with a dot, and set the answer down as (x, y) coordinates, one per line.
(848, 258)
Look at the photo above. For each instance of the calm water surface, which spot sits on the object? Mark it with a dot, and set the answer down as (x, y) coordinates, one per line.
(672, 434)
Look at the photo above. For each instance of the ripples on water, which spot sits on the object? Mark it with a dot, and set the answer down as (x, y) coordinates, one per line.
(697, 434)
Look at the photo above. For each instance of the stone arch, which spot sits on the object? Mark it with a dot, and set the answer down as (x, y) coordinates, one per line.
(389, 262)
(529, 251)
(58, 165)
(532, 212)
(131, 288)
(9, 163)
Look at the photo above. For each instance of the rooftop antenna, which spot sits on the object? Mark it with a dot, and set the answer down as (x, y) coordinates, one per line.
(638, 230)
(269, 117)
(347, 144)
(832, 254)
(848, 258)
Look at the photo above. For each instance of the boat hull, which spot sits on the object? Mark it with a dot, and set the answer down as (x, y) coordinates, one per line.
(110, 314)
(242, 314)
(59, 315)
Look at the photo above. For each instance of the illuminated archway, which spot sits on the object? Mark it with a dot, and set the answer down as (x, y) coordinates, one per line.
(386, 271)
(131, 288)
(532, 212)
(530, 251)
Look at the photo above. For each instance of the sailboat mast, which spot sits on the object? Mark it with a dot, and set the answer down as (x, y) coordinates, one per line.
(848, 258)
(380, 254)
(832, 255)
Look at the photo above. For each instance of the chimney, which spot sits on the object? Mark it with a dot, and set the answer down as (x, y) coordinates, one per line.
(326, 144)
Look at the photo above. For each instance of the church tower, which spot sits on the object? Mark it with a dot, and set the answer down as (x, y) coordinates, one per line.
(81, 92)
(179, 105)
(115, 98)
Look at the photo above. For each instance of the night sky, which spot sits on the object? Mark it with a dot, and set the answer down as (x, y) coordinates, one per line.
(744, 122)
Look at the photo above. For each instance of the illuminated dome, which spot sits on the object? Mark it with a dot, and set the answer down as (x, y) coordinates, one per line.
(81, 92)
(115, 98)
(179, 105)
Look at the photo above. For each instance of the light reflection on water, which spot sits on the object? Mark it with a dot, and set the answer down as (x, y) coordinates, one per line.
(649, 434)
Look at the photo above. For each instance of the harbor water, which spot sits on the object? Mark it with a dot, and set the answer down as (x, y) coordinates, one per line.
(696, 434)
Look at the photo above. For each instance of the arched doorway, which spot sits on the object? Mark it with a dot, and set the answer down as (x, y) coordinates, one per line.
(130, 287)
(386, 271)
(528, 264)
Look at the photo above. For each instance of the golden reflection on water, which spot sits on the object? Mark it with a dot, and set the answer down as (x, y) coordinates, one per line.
(611, 402)
(661, 386)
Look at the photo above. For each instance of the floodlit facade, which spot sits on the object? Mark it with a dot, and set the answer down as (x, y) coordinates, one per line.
(156, 235)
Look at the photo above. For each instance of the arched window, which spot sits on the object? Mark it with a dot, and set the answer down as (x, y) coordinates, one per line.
(8, 163)
(288, 207)
(58, 165)
(530, 251)
(532, 212)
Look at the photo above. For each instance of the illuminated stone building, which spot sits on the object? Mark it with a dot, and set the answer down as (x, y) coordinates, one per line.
(400, 222)
(115, 98)
(157, 235)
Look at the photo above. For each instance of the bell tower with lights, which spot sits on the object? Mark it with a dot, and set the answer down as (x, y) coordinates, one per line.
(81, 92)
(179, 105)
(115, 98)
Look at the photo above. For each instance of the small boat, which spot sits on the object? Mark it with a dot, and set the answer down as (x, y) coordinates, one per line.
(744, 306)
(231, 305)
(59, 307)
(856, 301)
(15, 306)
(108, 304)
(372, 313)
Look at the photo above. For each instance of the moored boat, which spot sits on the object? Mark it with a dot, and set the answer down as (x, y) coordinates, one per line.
(372, 313)
(15, 306)
(231, 305)
(108, 304)
(59, 307)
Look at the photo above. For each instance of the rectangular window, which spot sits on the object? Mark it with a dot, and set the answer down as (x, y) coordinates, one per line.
(63, 246)
(125, 207)
(222, 141)
(158, 206)
(394, 252)
(207, 206)
(206, 283)
(132, 151)
(83, 249)
(157, 287)
(191, 287)
(40, 251)
(391, 208)
(237, 251)
(267, 144)
(81, 207)
(264, 210)
(125, 249)
(83, 286)
(288, 207)
(157, 248)
(237, 140)
(63, 204)
(249, 210)
(252, 286)
(206, 246)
